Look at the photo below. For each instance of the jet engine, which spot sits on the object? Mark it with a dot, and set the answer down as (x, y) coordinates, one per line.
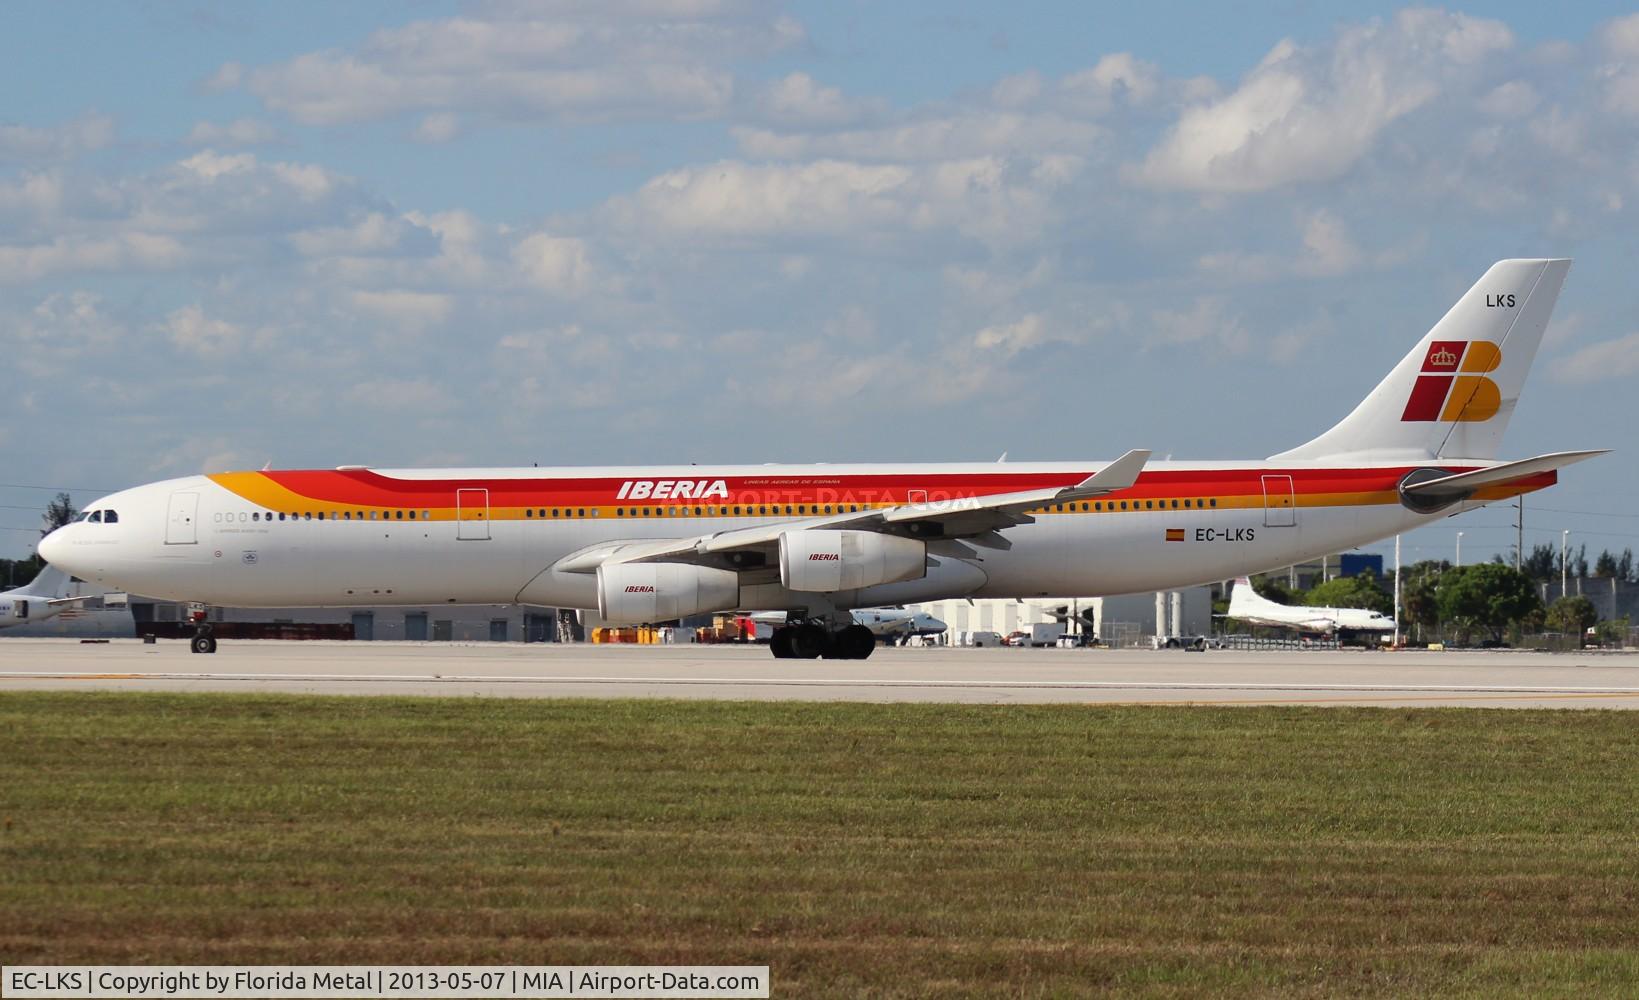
(826, 561)
(634, 593)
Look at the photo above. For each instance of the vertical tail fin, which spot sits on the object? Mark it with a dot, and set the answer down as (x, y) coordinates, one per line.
(1244, 602)
(1451, 397)
(50, 583)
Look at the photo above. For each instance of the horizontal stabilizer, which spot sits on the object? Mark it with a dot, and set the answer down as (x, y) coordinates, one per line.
(1467, 482)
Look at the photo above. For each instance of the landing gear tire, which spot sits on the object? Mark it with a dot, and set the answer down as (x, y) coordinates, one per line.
(855, 643)
(780, 643)
(204, 642)
(809, 642)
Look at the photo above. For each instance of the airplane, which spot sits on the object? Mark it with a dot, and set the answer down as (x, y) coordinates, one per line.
(886, 624)
(43, 597)
(1247, 605)
(653, 544)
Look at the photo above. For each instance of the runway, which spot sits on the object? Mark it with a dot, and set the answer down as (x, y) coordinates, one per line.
(987, 676)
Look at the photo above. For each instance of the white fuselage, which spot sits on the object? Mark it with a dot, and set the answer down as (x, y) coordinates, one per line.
(361, 538)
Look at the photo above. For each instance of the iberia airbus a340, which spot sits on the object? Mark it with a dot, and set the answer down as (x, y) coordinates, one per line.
(655, 544)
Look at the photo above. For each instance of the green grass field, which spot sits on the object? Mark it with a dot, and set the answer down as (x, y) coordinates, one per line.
(856, 849)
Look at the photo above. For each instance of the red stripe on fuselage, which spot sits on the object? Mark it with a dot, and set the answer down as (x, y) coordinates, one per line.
(366, 488)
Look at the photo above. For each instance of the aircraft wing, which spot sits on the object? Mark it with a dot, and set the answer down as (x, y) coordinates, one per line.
(977, 519)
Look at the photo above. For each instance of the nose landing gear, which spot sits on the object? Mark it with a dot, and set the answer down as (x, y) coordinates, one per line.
(203, 640)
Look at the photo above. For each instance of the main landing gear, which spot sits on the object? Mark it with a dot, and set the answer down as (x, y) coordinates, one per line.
(812, 640)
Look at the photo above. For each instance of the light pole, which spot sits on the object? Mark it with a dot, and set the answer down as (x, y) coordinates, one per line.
(1459, 550)
(1564, 539)
(1396, 591)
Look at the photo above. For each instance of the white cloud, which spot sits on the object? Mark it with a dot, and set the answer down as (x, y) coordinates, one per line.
(439, 127)
(239, 132)
(994, 200)
(129, 250)
(1118, 76)
(38, 194)
(1305, 115)
(1608, 359)
(528, 63)
(1011, 338)
(557, 264)
(375, 233)
(192, 332)
(797, 99)
(957, 135)
(33, 143)
(406, 308)
(1514, 99)
(1207, 321)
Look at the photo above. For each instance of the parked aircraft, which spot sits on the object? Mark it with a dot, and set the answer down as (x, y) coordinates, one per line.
(43, 597)
(655, 544)
(1247, 605)
(886, 624)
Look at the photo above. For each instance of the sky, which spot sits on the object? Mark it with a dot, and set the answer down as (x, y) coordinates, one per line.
(655, 231)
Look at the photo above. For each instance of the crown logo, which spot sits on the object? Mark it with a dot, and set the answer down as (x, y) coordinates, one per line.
(1443, 358)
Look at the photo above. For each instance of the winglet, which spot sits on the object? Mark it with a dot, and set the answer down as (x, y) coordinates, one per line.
(1118, 475)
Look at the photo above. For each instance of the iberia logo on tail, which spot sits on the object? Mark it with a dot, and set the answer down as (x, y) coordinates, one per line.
(1453, 386)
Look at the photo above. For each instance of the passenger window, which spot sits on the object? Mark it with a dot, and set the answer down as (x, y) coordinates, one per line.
(412, 515)
(398, 515)
(528, 512)
(581, 512)
(697, 512)
(256, 516)
(1213, 501)
(1123, 505)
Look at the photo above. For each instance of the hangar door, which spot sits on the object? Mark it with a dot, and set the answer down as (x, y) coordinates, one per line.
(472, 515)
(1280, 508)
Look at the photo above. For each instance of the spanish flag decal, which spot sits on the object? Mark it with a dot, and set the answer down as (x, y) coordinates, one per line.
(1175, 534)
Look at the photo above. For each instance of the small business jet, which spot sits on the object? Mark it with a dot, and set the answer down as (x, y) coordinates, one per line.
(43, 597)
(886, 624)
(816, 541)
(1247, 605)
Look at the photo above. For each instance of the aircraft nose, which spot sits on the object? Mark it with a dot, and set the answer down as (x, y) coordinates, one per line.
(53, 548)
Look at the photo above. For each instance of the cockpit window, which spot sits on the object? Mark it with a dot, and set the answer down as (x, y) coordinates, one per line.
(96, 517)
(110, 517)
(85, 515)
